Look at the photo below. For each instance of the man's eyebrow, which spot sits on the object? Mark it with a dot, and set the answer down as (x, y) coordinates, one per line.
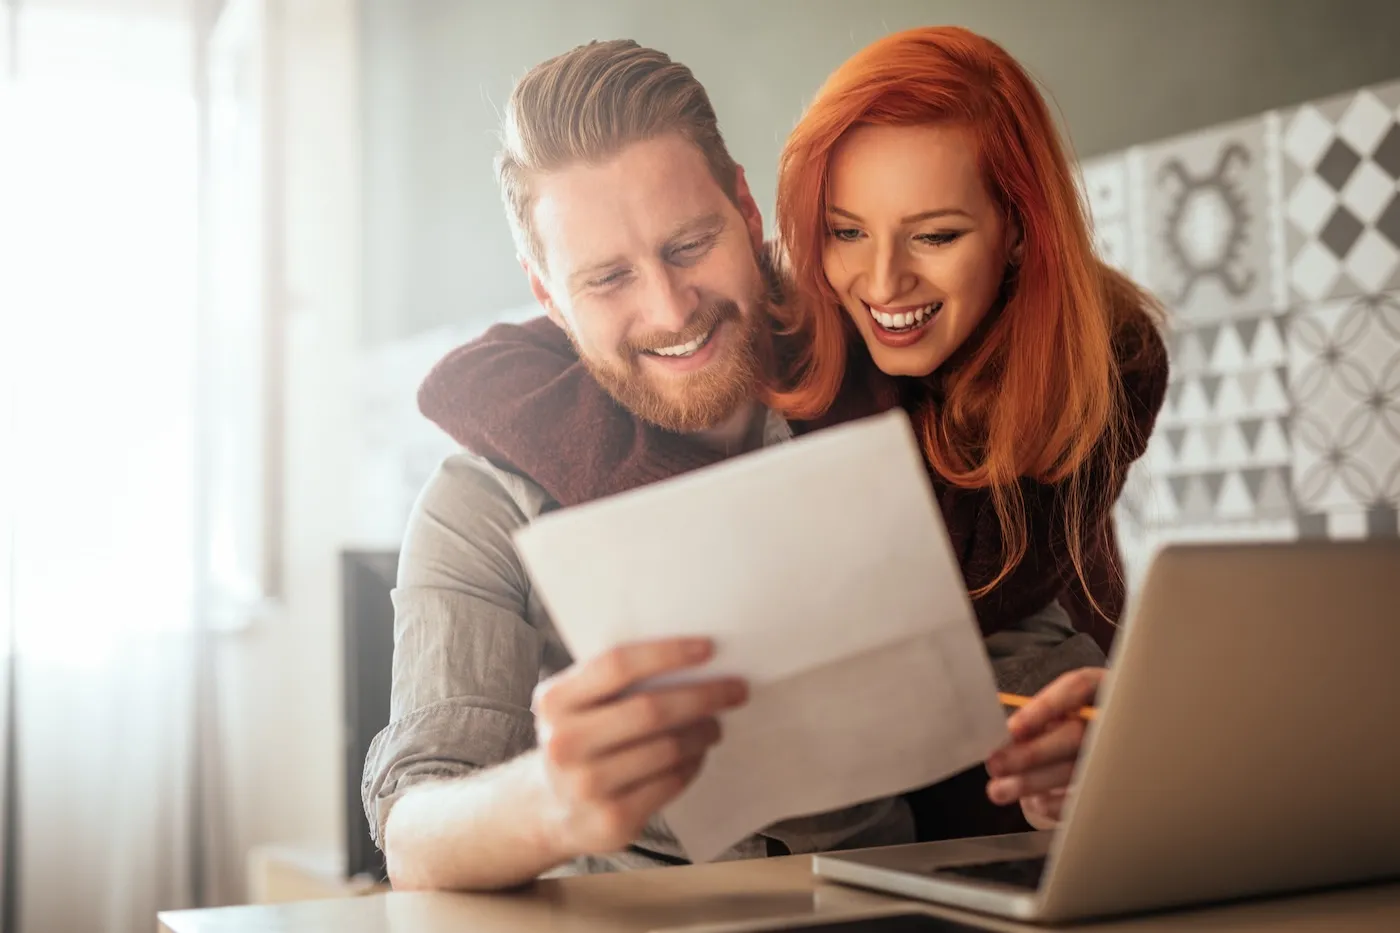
(707, 223)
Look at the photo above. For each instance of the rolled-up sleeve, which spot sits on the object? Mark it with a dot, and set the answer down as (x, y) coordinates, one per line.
(466, 659)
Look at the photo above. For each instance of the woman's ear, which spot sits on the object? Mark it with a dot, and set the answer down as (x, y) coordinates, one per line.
(1015, 241)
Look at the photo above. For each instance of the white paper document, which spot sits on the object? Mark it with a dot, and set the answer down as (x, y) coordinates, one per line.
(822, 569)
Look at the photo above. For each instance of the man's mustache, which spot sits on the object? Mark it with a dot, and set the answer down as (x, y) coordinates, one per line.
(701, 323)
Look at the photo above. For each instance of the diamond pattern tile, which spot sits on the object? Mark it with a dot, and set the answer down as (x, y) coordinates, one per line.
(1341, 195)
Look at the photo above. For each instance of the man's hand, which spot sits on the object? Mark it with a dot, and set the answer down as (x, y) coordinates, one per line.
(1046, 734)
(612, 758)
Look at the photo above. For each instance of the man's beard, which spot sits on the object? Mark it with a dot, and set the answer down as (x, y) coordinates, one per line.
(694, 401)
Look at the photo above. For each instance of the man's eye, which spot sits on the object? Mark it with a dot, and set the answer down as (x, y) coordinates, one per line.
(693, 248)
(612, 278)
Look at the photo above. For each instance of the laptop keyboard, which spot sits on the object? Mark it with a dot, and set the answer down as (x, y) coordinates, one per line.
(1018, 873)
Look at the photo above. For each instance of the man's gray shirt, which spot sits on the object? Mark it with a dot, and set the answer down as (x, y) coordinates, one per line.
(472, 640)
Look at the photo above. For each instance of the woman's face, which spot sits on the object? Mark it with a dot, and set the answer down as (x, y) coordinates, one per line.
(916, 248)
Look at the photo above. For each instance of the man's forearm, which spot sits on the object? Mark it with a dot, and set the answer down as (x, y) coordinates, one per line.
(478, 833)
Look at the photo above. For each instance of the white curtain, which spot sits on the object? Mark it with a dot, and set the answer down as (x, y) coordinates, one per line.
(98, 297)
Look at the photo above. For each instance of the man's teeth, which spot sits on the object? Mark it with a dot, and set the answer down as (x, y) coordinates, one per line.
(905, 319)
(684, 349)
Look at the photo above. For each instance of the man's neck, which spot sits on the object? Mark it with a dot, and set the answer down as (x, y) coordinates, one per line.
(740, 433)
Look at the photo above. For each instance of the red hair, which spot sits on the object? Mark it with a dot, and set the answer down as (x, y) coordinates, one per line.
(1036, 392)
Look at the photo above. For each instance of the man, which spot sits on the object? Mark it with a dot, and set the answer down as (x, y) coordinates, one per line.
(640, 240)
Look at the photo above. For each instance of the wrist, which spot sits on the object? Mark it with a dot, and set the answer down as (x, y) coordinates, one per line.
(547, 826)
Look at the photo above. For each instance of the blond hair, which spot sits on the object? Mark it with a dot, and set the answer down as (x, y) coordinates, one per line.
(585, 106)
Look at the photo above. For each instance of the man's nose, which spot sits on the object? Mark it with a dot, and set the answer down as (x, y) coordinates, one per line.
(669, 301)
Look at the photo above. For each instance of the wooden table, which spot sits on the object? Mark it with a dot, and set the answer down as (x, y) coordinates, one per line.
(766, 888)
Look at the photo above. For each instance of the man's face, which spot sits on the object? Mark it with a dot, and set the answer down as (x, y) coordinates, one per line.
(653, 272)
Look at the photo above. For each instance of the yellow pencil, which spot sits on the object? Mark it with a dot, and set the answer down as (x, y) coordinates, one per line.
(1010, 699)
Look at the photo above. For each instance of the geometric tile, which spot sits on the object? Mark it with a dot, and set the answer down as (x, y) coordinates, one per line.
(1341, 231)
(1210, 248)
(1307, 136)
(1366, 120)
(1387, 154)
(1106, 192)
(1345, 381)
(1341, 174)
(1368, 191)
(1314, 272)
(1310, 204)
(1372, 261)
(1388, 223)
(1337, 164)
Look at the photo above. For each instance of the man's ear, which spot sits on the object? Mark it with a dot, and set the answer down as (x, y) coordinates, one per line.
(748, 208)
(541, 293)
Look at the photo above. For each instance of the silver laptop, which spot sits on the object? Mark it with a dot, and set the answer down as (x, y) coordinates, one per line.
(1247, 743)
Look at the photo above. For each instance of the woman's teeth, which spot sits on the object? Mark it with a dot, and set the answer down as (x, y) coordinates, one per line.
(683, 349)
(906, 320)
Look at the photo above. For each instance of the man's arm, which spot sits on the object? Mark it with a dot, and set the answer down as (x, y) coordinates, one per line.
(454, 762)
(481, 832)
(457, 793)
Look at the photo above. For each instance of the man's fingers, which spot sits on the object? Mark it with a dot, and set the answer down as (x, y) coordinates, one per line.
(629, 721)
(636, 764)
(640, 801)
(1061, 699)
(1059, 744)
(613, 672)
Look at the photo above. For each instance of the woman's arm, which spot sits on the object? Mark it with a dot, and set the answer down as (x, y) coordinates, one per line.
(519, 396)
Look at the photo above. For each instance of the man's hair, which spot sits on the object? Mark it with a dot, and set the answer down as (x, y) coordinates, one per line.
(585, 106)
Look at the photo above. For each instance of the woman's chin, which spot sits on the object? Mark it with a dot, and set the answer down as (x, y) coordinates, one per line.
(915, 361)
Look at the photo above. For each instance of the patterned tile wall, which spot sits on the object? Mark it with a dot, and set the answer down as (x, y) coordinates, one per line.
(1274, 243)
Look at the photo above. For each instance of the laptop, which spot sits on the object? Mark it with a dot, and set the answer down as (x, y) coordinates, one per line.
(1247, 743)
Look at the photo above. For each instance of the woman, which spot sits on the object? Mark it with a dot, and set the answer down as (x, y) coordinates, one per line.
(934, 255)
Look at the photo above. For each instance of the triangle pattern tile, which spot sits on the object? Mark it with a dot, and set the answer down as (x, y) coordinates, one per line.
(1233, 500)
(1231, 402)
(1212, 433)
(1275, 495)
(1249, 429)
(1172, 401)
(1253, 481)
(1190, 355)
(1208, 336)
(1176, 487)
(1196, 452)
(1197, 504)
(1174, 438)
(1229, 353)
(1268, 347)
(1272, 445)
(1210, 385)
(1271, 396)
(1214, 480)
(1231, 448)
(1249, 387)
(1193, 405)
(1246, 329)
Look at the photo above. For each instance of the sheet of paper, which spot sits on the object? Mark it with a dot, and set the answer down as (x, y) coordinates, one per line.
(822, 569)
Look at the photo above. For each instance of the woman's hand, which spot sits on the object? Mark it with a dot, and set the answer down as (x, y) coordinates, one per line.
(1046, 734)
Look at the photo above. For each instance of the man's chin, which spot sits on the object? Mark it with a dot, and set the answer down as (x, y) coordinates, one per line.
(685, 404)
